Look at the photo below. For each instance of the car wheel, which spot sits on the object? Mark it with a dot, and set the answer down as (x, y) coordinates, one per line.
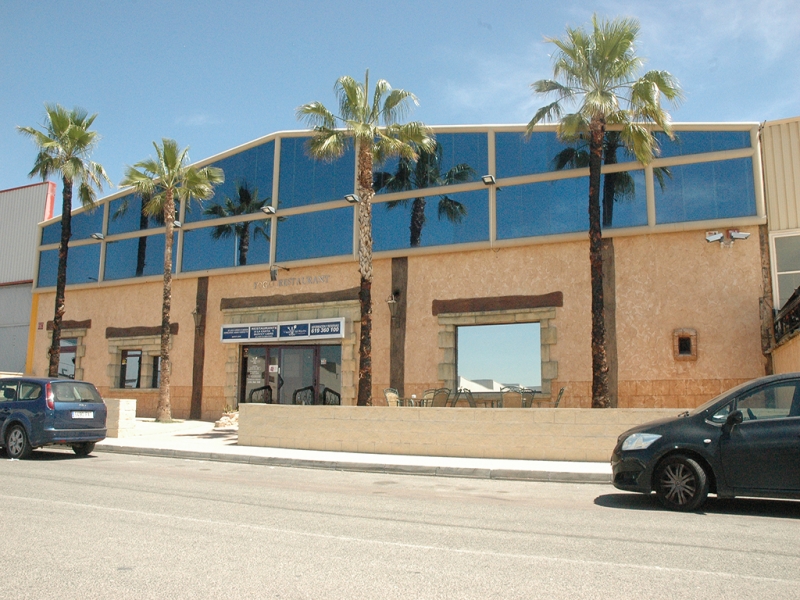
(681, 483)
(17, 444)
(84, 449)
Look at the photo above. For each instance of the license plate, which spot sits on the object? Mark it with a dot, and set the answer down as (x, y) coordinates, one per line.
(82, 414)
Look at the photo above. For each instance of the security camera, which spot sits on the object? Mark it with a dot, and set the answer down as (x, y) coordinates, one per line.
(735, 234)
(714, 236)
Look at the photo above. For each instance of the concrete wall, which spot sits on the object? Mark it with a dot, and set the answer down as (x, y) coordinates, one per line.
(536, 434)
(786, 357)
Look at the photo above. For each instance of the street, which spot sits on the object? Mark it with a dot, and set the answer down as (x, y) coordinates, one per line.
(117, 526)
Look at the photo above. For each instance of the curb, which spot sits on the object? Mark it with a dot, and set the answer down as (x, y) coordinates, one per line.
(470, 473)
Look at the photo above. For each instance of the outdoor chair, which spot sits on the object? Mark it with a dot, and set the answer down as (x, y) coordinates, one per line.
(511, 397)
(464, 394)
(392, 397)
(261, 394)
(553, 403)
(303, 395)
(440, 397)
(331, 398)
(427, 397)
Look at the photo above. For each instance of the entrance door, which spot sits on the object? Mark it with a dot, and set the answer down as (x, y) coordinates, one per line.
(276, 373)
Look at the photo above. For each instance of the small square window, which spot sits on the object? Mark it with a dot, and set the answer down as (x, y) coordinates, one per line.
(684, 344)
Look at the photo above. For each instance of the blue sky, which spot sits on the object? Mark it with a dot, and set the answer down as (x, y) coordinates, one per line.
(214, 75)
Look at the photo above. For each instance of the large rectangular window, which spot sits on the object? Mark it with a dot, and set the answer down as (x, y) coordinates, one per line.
(787, 265)
(544, 208)
(305, 180)
(83, 265)
(697, 142)
(127, 214)
(82, 225)
(230, 245)
(515, 358)
(137, 257)
(315, 235)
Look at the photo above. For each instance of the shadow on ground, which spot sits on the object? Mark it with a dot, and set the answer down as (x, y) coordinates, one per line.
(753, 507)
(231, 436)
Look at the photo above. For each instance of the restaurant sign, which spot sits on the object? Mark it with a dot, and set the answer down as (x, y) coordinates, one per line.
(315, 329)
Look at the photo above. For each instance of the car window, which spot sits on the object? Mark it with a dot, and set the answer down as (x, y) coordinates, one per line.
(8, 391)
(29, 390)
(722, 414)
(71, 391)
(769, 402)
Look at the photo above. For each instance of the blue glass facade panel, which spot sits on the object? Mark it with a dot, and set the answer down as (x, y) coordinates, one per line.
(544, 208)
(83, 265)
(315, 235)
(629, 204)
(83, 225)
(696, 142)
(456, 153)
(126, 215)
(391, 221)
(221, 247)
(713, 190)
(137, 257)
(251, 168)
(305, 180)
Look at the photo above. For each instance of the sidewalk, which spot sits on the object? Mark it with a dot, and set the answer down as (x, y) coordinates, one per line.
(198, 440)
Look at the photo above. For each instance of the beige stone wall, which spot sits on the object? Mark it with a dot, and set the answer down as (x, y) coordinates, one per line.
(534, 434)
(786, 357)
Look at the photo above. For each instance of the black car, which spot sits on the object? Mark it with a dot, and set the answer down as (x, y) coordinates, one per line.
(744, 442)
(39, 412)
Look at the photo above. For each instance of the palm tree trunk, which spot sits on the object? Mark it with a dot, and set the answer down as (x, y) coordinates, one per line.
(61, 278)
(365, 192)
(417, 220)
(141, 253)
(599, 358)
(164, 410)
(244, 244)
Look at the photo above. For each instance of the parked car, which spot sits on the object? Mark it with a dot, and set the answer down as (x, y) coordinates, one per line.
(744, 442)
(40, 412)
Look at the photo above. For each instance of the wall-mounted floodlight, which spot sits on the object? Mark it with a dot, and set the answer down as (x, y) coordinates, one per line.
(352, 198)
(98, 236)
(268, 210)
(177, 224)
(392, 302)
(273, 272)
(714, 236)
(735, 234)
(488, 179)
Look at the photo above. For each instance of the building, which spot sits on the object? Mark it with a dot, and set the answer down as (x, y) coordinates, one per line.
(270, 300)
(21, 209)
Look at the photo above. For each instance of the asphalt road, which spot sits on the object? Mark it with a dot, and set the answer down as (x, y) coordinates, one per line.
(116, 526)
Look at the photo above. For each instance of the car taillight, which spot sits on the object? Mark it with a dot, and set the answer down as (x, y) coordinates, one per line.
(48, 396)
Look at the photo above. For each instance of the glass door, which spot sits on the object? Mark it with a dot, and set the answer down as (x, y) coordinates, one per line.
(254, 360)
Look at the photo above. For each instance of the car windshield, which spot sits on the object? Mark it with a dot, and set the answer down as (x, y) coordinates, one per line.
(72, 391)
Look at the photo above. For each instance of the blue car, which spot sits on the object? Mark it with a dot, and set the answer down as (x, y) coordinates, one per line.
(744, 442)
(41, 412)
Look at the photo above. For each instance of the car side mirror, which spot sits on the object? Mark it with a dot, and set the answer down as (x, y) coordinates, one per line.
(735, 418)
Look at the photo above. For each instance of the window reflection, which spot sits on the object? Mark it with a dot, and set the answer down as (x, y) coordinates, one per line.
(245, 201)
(137, 257)
(516, 155)
(453, 219)
(305, 180)
(83, 265)
(82, 224)
(713, 190)
(695, 142)
(127, 214)
(544, 208)
(226, 246)
(623, 199)
(314, 235)
(251, 169)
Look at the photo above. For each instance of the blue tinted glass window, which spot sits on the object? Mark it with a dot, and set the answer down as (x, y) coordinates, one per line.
(126, 215)
(305, 180)
(695, 142)
(83, 225)
(223, 246)
(452, 219)
(627, 204)
(83, 265)
(137, 257)
(313, 235)
(458, 158)
(251, 170)
(543, 208)
(714, 190)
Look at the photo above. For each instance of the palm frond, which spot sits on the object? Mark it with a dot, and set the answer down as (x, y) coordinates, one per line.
(452, 210)
(314, 114)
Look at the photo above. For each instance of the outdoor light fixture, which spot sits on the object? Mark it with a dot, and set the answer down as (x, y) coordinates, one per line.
(268, 210)
(727, 238)
(735, 234)
(177, 224)
(98, 236)
(273, 272)
(198, 318)
(489, 179)
(392, 302)
(352, 198)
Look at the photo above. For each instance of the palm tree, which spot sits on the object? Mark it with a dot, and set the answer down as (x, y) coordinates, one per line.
(598, 72)
(377, 134)
(246, 202)
(160, 181)
(65, 144)
(423, 173)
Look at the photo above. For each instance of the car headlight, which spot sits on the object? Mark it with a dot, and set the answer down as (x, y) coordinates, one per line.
(639, 441)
